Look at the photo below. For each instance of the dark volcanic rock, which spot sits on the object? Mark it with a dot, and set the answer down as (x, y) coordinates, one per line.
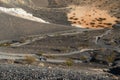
(18, 72)
(116, 63)
(115, 70)
(116, 26)
(85, 56)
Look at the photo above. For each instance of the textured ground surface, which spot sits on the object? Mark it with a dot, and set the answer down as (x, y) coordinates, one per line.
(59, 44)
(16, 72)
(14, 27)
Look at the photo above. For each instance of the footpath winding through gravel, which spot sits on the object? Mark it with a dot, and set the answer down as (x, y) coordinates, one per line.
(5, 55)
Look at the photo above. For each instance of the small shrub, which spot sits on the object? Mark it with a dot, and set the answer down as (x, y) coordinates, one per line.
(84, 45)
(69, 62)
(65, 49)
(83, 58)
(10, 61)
(50, 56)
(30, 59)
(22, 41)
(39, 54)
(4, 44)
(110, 58)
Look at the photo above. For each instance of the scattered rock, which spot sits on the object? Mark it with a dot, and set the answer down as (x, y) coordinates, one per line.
(115, 70)
(19, 72)
(116, 26)
(116, 63)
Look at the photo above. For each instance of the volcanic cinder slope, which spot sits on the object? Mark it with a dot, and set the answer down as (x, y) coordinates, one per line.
(13, 27)
(17, 25)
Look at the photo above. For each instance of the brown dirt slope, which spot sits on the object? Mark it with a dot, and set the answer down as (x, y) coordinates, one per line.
(40, 3)
(13, 27)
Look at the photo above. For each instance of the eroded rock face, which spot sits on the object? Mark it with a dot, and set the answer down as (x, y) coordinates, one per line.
(115, 70)
(99, 13)
(16, 2)
(31, 3)
(59, 3)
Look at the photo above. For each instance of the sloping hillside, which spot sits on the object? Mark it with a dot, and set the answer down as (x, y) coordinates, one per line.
(14, 27)
(16, 2)
(111, 5)
(18, 22)
(82, 13)
(60, 11)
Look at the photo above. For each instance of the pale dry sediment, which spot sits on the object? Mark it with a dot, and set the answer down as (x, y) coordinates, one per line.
(19, 12)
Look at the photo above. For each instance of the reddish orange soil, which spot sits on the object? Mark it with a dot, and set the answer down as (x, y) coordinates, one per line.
(90, 17)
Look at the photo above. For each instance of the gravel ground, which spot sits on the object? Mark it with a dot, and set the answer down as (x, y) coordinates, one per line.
(18, 72)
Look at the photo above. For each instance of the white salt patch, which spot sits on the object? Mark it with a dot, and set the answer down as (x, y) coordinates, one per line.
(22, 14)
(76, 25)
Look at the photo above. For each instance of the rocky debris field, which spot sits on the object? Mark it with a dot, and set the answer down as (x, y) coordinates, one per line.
(18, 72)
